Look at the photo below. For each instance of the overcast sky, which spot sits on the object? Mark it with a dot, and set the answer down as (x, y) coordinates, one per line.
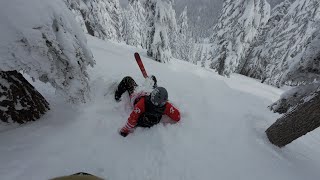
(123, 2)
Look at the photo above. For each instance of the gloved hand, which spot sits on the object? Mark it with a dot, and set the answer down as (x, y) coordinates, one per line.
(154, 80)
(123, 133)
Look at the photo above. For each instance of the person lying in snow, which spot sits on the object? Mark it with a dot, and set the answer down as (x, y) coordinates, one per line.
(147, 108)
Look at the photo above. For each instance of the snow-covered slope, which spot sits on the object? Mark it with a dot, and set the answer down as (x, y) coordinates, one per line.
(221, 134)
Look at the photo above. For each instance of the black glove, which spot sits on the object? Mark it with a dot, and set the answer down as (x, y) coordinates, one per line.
(117, 96)
(123, 134)
(154, 80)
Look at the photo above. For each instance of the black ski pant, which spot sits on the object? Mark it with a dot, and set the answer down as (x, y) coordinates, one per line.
(126, 84)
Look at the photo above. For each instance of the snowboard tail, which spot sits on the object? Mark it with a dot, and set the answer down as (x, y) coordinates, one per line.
(140, 64)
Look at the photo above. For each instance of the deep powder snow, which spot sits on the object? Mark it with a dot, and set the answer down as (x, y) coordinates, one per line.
(220, 136)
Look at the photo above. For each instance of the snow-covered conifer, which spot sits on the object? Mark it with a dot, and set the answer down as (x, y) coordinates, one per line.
(204, 58)
(183, 26)
(237, 27)
(131, 28)
(305, 72)
(43, 40)
(306, 65)
(198, 54)
(184, 43)
(285, 43)
(161, 19)
(255, 64)
(134, 24)
(101, 18)
(297, 49)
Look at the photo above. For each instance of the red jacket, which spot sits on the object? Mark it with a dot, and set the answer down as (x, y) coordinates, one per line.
(139, 109)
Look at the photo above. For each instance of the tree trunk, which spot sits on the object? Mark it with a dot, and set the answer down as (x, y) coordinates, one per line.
(222, 60)
(305, 118)
(19, 100)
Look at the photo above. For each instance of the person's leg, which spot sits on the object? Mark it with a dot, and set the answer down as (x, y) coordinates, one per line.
(127, 84)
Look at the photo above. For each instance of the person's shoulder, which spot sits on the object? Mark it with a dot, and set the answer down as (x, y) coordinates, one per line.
(168, 104)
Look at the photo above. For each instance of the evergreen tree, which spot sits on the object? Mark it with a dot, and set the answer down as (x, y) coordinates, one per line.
(140, 14)
(183, 26)
(297, 57)
(113, 6)
(77, 8)
(100, 18)
(134, 33)
(160, 20)
(185, 43)
(255, 64)
(285, 41)
(150, 9)
(306, 66)
(298, 62)
(238, 25)
(204, 59)
(173, 31)
(198, 54)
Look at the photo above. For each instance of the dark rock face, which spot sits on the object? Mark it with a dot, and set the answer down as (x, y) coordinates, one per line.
(19, 101)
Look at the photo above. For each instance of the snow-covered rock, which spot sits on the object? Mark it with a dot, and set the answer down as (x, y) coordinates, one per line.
(19, 100)
(41, 38)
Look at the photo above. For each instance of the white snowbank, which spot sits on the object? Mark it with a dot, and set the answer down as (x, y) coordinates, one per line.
(41, 38)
